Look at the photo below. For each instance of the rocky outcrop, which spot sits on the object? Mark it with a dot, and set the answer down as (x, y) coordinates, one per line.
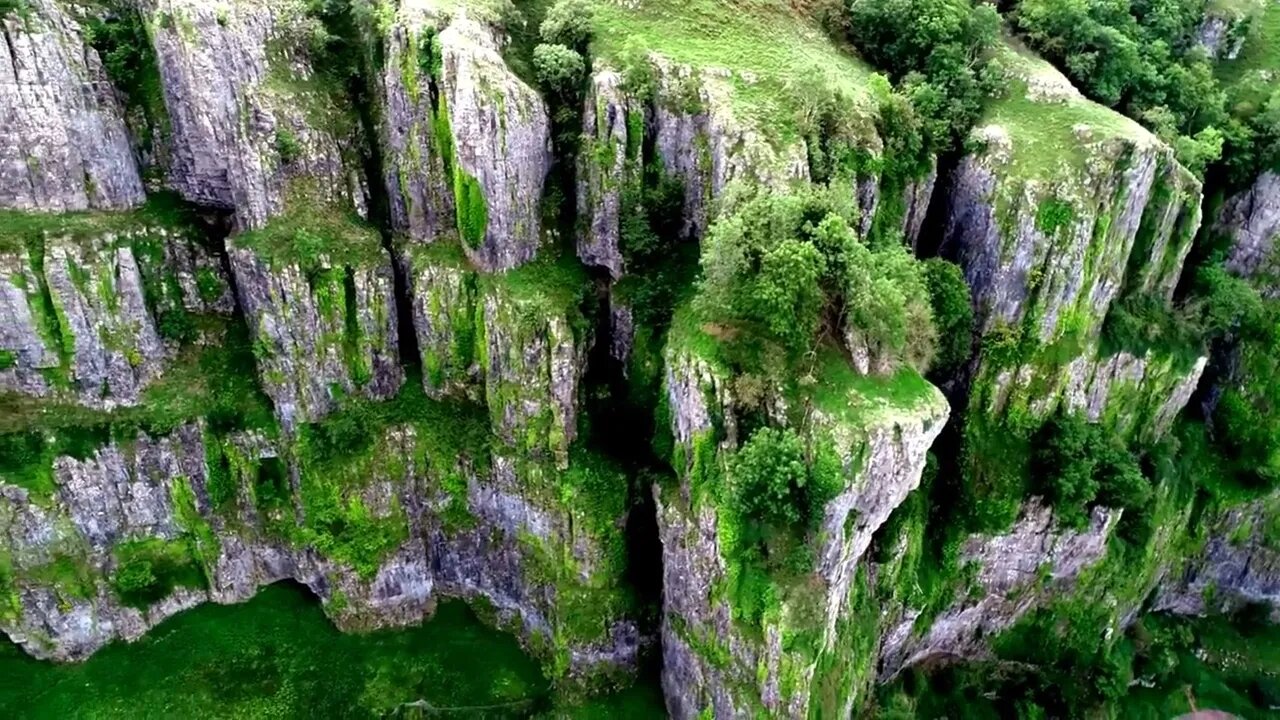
(701, 142)
(1016, 572)
(1251, 219)
(251, 125)
(323, 327)
(66, 146)
(444, 526)
(1239, 564)
(614, 133)
(1223, 31)
(88, 307)
(714, 660)
(518, 341)
(1050, 236)
(469, 142)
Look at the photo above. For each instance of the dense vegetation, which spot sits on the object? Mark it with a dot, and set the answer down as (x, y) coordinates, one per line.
(816, 321)
(278, 656)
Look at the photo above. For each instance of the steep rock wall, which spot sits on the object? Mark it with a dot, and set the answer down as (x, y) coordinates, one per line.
(810, 653)
(469, 143)
(1238, 565)
(236, 516)
(518, 341)
(66, 144)
(93, 307)
(251, 118)
(1051, 227)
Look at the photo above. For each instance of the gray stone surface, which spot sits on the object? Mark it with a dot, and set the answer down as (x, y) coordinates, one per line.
(116, 495)
(236, 80)
(63, 141)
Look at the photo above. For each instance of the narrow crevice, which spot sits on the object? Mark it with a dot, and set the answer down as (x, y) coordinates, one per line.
(932, 232)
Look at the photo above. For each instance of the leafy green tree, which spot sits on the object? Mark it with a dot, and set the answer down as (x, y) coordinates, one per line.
(568, 23)
(950, 298)
(559, 68)
(776, 479)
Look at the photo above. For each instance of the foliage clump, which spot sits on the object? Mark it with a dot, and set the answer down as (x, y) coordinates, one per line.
(776, 481)
(148, 571)
(786, 271)
(937, 50)
(1078, 464)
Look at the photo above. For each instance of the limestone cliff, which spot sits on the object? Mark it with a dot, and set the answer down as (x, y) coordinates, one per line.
(468, 142)
(66, 146)
(378, 536)
(1052, 226)
(94, 305)
(808, 652)
(250, 115)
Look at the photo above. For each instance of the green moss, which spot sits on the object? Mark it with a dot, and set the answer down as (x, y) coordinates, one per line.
(148, 571)
(1053, 215)
(71, 577)
(207, 547)
(314, 236)
(473, 212)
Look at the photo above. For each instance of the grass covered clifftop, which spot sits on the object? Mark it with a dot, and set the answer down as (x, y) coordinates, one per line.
(774, 55)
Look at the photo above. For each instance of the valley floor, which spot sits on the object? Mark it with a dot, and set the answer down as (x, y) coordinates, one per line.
(277, 656)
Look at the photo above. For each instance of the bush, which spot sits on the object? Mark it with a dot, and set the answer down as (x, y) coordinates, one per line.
(887, 307)
(1077, 464)
(937, 49)
(784, 269)
(950, 299)
(568, 23)
(776, 481)
(288, 148)
(559, 68)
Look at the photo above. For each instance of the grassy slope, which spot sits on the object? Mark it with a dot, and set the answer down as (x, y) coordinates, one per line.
(767, 44)
(277, 656)
(1043, 130)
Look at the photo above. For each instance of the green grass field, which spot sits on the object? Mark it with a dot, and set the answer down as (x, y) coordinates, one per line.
(277, 656)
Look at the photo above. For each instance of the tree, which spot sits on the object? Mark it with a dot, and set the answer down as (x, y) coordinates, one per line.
(559, 68)
(950, 298)
(568, 23)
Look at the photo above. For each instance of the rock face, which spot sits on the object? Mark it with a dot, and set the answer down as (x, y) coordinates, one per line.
(320, 330)
(607, 163)
(692, 131)
(447, 528)
(1050, 236)
(1222, 33)
(66, 145)
(1017, 571)
(518, 341)
(84, 307)
(1251, 219)
(249, 118)
(470, 143)
(713, 660)
(1239, 565)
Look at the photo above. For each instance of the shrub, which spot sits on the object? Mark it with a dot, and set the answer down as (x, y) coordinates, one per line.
(568, 23)
(887, 307)
(559, 68)
(1065, 464)
(288, 148)
(781, 268)
(950, 298)
(937, 49)
(775, 479)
